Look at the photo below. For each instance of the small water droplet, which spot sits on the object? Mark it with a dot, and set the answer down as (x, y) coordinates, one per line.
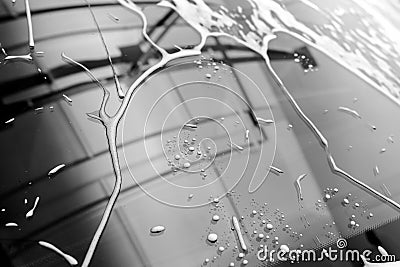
(215, 218)
(212, 238)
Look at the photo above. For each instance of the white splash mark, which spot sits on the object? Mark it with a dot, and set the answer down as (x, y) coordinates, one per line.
(350, 112)
(236, 226)
(269, 18)
(111, 122)
(55, 169)
(275, 170)
(30, 27)
(265, 121)
(32, 210)
(67, 99)
(71, 260)
(297, 185)
(11, 224)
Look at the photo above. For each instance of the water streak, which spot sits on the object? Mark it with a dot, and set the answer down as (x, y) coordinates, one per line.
(55, 169)
(30, 27)
(236, 226)
(297, 185)
(275, 170)
(71, 260)
(349, 111)
(32, 210)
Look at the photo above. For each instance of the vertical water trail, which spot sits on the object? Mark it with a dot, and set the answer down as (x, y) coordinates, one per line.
(116, 80)
(30, 27)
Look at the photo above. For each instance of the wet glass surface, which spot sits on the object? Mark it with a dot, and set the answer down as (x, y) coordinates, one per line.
(219, 147)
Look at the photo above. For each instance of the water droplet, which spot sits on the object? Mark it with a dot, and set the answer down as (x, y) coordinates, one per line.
(157, 229)
(221, 249)
(186, 165)
(208, 76)
(245, 262)
(215, 218)
(241, 255)
(177, 157)
(270, 226)
(212, 238)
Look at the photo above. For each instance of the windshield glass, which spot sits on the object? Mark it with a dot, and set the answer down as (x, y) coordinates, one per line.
(191, 132)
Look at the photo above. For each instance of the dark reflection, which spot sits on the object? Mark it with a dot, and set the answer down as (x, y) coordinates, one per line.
(40, 129)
